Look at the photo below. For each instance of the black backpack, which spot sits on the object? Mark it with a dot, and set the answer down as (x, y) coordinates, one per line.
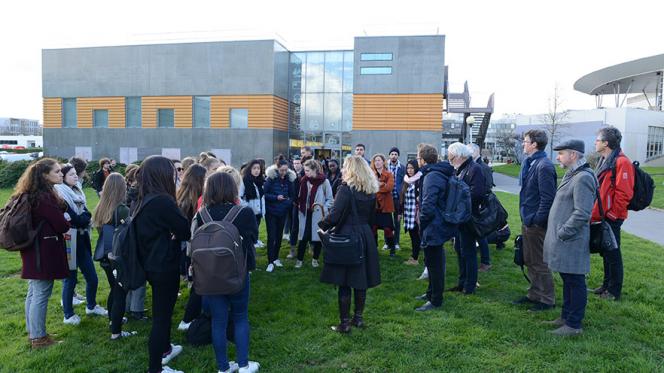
(644, 188)
(199, 332)
(130, 272)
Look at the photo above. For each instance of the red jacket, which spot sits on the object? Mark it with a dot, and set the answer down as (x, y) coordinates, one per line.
(53, 257)
(616, 194)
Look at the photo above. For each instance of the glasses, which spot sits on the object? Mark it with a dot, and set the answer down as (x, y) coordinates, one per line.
(180, 169)
(599, 140)
(527, 142)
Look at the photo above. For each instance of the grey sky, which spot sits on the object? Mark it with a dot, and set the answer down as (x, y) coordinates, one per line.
(517, 49)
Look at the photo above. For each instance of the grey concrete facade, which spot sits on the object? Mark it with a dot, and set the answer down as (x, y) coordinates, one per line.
(244, 144)
(197, 69)
(418, 65)
(382, 141)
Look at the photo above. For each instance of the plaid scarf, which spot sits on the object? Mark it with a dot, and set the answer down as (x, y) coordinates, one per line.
(409, 208)
(393, 170)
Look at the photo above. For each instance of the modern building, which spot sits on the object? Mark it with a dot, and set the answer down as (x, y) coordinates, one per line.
(20, 126)
(243, 99)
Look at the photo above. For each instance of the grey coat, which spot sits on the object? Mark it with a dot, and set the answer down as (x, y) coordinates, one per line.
(323, 197)
(568, 231)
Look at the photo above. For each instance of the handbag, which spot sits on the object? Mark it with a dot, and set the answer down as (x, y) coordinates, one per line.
(491, 215)
(518, 255)
(342, 249)
(601, 234)
(70, 246)
(105, 240)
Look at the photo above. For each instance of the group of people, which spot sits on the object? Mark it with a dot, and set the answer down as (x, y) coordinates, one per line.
(298, 199)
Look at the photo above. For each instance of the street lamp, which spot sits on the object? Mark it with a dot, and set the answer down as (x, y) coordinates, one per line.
(470, 120)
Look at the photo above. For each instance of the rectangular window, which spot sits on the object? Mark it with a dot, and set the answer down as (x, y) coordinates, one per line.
(239, 118)
(133, 112)
(376, 57)
(69, 112)
(655, 146)
(201, 112)
(100, 118)
(128, 155)
(378, 70)
(166, 118)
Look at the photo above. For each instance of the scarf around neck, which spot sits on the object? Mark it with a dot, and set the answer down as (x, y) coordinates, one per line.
(527, 163)
(73, 196)
(413, 179)
(608, 162)
(251, 183)
(302, 199)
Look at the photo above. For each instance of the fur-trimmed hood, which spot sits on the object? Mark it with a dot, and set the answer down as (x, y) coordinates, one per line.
(272, 172)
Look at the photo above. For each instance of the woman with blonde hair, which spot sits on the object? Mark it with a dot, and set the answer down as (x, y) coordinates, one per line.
(112, 211)
(384, 201)
(353, 214)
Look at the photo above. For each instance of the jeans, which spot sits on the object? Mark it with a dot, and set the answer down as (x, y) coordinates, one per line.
(575, 298)
(237, 307)
(136, 300)
(464, 245)
(116, 302)
(165, 286)
(485, 256)
(294, 226)
(613, 264)
(258, 224)
(36, 305)
(275, 228)
(87, 266)
(434, 258)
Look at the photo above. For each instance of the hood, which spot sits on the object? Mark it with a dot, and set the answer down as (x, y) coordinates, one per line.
(445, 167)
(272, 173)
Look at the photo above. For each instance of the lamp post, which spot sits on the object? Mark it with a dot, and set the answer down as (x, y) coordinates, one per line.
(470, 120)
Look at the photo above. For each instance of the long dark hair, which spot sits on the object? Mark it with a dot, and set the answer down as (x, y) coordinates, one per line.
(220, 188)
(156, 176)
(34, 183)
(191, 188)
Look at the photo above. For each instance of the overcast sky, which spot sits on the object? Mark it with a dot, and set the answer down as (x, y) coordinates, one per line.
(517, 49)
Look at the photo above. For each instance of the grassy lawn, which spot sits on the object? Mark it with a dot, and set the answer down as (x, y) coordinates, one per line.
(514, 170)
(291, 311)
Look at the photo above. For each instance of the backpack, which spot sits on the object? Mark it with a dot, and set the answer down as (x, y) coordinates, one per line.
(16, 230)
(130, 273)
(644, 188)
(457, 201)
(218, 260)
(199, 332)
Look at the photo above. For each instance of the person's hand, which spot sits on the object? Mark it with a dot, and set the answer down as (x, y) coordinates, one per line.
(280, 198)
(399, 217)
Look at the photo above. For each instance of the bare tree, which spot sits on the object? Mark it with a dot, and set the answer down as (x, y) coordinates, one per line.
(555, 119)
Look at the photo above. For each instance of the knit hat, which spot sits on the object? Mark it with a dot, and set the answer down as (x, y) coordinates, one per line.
(394, 149)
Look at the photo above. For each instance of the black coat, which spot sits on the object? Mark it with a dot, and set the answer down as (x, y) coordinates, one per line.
(434, 230)
(366, 275)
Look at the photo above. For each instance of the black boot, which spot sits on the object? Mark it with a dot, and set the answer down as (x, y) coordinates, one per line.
(344, 315)
(360, 300)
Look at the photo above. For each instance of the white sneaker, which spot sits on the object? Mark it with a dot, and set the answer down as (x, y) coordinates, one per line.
(74, 302)
(98, 310)
(278, 263)
(252, 367)
(396, 247)
(183, 325)
(74, 320)
(166, 369)
(79, 296)
(424, 275)
(175, 351)
(286, 237)
(298, 264)
(270, 268)
(290, 256)
(259, 244)
(233, 367)
(385, 247)
(314, 263)
(123, 334)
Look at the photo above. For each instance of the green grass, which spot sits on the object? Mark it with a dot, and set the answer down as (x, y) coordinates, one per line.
(291, 312)
(514, 169)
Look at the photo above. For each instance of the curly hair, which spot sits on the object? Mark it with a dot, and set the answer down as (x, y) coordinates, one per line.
(33, 182)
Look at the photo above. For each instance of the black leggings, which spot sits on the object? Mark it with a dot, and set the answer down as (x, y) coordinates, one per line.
(165, 286)
(344, 292)
(193, 308)
(117, 300)
(302, 247)
(415, 241)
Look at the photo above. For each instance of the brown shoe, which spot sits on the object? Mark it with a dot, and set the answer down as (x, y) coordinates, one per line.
(42, 342)
(484, 268)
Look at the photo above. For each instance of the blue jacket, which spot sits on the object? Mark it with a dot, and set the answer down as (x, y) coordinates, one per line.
(538, 188)
(275, 186)
(474, 176)
(433, 189)
(398, 178)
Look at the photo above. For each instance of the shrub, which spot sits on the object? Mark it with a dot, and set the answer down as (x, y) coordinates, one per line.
(10, 172)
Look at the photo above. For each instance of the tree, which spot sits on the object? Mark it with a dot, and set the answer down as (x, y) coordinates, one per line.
(506, 141)
(555, 119)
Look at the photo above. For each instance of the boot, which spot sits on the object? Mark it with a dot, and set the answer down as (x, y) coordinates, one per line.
(390, 244)
(360, 300)
(344, 316)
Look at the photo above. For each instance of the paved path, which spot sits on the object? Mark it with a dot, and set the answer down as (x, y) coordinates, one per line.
(648, 224)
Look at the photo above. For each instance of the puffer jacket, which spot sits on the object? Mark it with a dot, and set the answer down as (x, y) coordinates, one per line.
(275, 186)
(433, 188)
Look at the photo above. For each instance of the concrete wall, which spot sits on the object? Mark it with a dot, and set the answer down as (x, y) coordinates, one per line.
(216, 68)
(382, 141)
(244, 144)
(418, 65)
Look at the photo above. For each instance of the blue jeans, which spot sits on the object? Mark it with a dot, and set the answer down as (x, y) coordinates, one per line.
(464, 245)
(84, 262)
(87, 266)
(36, 305)
(575, 298)
(238, 305)
(485, 256)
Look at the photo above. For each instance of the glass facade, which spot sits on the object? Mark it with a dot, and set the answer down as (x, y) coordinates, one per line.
(655, 147)
(165, 118)
(133, 112)
(201, 111)
(378, 70)
(100, 118)
(376, 57)
(69, 113)
(239, 118)
(321, 102)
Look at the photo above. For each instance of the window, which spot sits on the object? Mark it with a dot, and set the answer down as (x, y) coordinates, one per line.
(166, 118)
(69, 112)
(100, 118)
(379, 70)
(201, 111)
(376, 57)
(8, 142)
(239, 118)
(655, 147)
(133, 112)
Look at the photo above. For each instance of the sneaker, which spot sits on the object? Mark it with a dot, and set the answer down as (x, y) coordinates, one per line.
(428, 306)
(270, 268)
(314, 263)
(385, 247)
(424, 275)
(607, 296)
(183, 326)
(290, 256)
(298, 264)
(74, 320)
(42, 342)
(286, 237)
(566, 331)
(74, 302)
(170, 355)
(233, 367)
(98, 310)
(79, 296)
(557, 322)
(278, 263)
(259, 244)
(252, 367)
(166, 369)
(124, 321)
(411, 262)
(539, 306)
(484, 267)
(123, 334)
(598, 291)
(396, 247)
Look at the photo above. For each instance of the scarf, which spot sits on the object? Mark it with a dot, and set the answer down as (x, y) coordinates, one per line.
(302, 199)
(572, 170)
(527, 163)
(413, 179)
(251, 183)
(73, 196)
(608, 162)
